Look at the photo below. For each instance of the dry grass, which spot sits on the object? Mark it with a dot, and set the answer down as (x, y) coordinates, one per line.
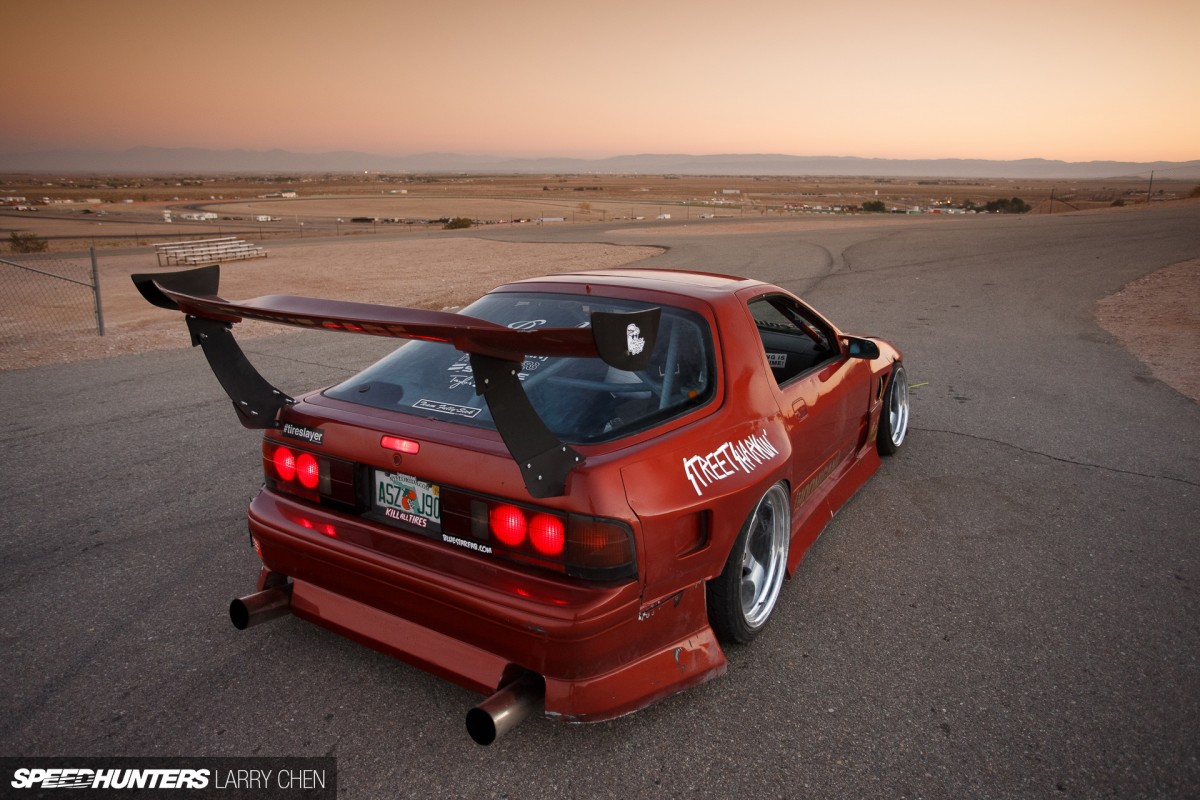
(133, 206)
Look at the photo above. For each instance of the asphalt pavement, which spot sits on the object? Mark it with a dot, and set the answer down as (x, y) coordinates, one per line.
(1009, 608)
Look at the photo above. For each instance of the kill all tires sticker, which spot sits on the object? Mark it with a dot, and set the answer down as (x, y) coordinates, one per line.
(731, 458)
(303, 433)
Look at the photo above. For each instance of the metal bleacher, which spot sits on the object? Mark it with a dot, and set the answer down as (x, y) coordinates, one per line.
(205, 251)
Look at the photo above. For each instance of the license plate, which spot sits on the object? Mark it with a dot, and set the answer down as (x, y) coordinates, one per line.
(403, 498)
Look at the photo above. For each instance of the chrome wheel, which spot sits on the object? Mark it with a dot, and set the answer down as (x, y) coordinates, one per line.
(740, 600)
(893, 420)
(898, 406)
(764, 558)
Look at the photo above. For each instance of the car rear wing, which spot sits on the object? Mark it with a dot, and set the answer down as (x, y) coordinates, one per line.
(495, 351)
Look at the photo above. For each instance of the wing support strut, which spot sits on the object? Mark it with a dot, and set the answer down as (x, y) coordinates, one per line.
(622, 340)
(543, 459)
(255, 400)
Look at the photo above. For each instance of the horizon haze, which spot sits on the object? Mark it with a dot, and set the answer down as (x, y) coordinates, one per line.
(182, 161)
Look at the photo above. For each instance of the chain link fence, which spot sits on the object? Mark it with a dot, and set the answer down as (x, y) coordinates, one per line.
(42, 295)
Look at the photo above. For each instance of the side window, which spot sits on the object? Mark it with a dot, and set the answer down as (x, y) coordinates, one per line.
(794, 339)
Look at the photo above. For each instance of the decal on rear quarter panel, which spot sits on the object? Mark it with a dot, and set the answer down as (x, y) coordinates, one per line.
(731, 458)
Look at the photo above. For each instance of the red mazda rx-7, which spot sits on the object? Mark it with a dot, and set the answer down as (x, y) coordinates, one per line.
(567, 494)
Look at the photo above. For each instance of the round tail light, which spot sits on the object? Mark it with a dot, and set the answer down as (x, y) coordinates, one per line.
(307, 471)
(508, 525)
(547, 535)
(285, 463)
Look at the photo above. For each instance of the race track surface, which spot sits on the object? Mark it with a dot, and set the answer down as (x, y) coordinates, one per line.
(1009, 608)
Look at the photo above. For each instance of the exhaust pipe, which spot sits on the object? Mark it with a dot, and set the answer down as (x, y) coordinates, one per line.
(504, 710)
(260, 607)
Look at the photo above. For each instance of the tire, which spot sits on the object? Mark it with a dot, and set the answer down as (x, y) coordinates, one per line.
(741, 599)
(893, 419)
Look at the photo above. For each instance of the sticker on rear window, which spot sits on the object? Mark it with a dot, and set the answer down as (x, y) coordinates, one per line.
(447, 408)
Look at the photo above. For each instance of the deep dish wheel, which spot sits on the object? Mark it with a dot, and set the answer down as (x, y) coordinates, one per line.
(742, 597)
(893, 419)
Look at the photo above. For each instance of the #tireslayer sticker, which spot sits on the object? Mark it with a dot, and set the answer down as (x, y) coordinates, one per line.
(303, 433)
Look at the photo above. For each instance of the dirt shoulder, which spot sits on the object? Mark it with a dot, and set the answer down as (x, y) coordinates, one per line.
(418, 274)
(1157, 318)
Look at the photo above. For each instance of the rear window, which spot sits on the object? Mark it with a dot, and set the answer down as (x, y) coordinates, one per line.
(580, 399)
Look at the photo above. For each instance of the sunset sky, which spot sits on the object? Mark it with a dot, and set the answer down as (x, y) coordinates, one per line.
(1077, 80)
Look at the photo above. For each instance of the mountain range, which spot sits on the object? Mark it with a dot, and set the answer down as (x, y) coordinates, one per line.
(188, 160)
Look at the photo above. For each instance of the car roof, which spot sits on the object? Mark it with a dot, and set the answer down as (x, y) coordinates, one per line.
(688, 282)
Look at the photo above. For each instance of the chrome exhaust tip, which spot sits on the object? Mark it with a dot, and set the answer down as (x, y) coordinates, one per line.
(505, 709)
(260, 607)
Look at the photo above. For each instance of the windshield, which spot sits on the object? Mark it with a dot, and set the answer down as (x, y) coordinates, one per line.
(580, 399)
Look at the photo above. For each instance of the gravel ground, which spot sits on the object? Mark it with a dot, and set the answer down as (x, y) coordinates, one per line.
(432, 273)
(1156, 317)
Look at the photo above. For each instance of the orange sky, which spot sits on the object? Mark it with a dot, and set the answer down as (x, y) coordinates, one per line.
(1076, 80)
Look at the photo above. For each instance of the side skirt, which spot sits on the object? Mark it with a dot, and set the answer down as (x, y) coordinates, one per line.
(825, 503)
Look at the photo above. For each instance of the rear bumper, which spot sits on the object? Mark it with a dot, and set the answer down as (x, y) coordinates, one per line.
(602, 651)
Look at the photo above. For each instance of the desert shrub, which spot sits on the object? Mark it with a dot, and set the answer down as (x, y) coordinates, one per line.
(1119, 202)
(1007, 206)
(1195, 192)
(874, 207)
(27, 243)
(458, 222)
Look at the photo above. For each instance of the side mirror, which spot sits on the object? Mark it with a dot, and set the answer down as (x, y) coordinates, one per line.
(861, 348)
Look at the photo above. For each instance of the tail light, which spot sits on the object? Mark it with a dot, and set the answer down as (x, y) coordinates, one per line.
(547, 534)
(511, 525)
(313, 476)
(573, 544)
(284, 461)
(508, 525)
(308, 471)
